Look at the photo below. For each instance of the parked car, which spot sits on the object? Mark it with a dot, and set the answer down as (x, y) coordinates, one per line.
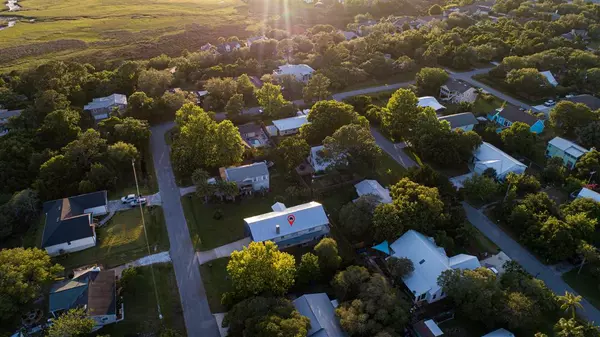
(550, 102)
(128, 199)
(138, 201)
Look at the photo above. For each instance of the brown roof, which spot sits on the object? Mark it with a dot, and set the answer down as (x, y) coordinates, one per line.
(102, 296)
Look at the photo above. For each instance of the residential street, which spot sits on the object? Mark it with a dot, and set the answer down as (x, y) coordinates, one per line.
(198, 319)
(520, 254)
(397, 154)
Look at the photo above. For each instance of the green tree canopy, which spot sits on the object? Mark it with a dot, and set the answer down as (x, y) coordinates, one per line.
(317, 88)
(326, 117)
(566, 116)
(419, 207)
(519, 139)
(401, 113)
(329, 258)
(74, 322)
(269, 96)
(354, 147)
(291, 152)
(429, 81)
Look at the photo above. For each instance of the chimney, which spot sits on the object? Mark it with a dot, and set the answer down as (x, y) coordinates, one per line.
(277, 229)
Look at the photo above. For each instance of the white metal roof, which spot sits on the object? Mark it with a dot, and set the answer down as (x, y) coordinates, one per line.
(490, 156)
(373, 187)
(309, 215)
(317, 161)
(548, 75)
(568, 146)
(430, 101)
(587, 193)
(500, 333)
(290, 123)
(428, 259)
(321, 312)
(434, 328)
(106, 102)
(294, 69)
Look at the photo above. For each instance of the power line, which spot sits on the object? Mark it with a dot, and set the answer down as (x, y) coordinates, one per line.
(137, 186)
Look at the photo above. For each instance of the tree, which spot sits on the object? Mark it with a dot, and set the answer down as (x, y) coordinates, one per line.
(59, 128)
(555, 171)
(588, 163)
(220, 90)
(119, 157)
(589, 135)
(140, 106)
(523, 183)
(528, 81)
(352, 146)
(399, 268)
(356, 218)
(418, 206)
(24, 273)
(170, 102)
(19, 212)
(227, 189)
(480, 187)
(261, 268)
(235, 105)
(570, 302)
(568, 328)
(347, 283)
(567, 116)
(587, 206)
(325, 117)
(128, 130)
(317, 88)
(271, 99)
(429, 80)
(435, 10)
(401, 113)
(519, 139)
(204, 189)
(245, 87)
(291, 152)
(154, 82)
(55, 178)
(48, 101)
(520, 310)
(327, 252)
(74, 322)
(308, 270)
(387, 223)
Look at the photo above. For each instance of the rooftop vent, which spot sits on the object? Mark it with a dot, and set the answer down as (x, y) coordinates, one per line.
(278, 207)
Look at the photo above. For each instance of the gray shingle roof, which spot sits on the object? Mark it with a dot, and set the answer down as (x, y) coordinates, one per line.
(591, 101)
(514, 114)
(458, 86)
(458, 120)
(239, 173)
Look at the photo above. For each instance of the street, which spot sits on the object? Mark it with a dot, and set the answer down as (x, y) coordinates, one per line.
(199, 321)
(520, 254)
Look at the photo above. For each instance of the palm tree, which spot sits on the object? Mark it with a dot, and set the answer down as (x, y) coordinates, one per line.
(570, 301)
(568, 328)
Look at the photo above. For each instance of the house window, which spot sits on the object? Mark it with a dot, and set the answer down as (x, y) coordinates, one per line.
(69, 243)
(434, 296)
(422, 261)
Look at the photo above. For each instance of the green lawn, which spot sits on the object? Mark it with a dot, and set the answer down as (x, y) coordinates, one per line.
(208, 233)
(480, 244)
(389, 171)
(482, 107)
(122, 240)
(141, 315)
(585, 284)
(216, 282)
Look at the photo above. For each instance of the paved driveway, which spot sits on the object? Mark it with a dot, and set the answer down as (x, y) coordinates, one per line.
(198, 319)
(394, 151)
(518, 253)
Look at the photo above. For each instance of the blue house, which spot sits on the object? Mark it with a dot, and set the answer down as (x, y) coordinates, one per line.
(510, 114)
(289, 226)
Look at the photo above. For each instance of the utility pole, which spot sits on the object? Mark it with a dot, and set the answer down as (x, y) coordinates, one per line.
(590, 178)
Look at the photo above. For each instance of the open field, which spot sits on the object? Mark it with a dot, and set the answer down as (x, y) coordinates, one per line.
(585, 284)
(216, 282)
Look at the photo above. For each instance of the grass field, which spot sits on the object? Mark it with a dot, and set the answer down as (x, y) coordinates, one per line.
(216, 282)
(585, 284)
(141, 316)
(122, 240)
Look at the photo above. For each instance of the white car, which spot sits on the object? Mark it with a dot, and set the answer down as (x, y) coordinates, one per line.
(138, 201)
(549, 103)
(128, 199)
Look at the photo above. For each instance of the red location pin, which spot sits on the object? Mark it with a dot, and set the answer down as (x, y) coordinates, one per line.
(291, 218)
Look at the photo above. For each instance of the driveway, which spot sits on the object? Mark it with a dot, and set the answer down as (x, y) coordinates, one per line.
(196, 313)
(393, 150)
(520, 254)
(223, 251)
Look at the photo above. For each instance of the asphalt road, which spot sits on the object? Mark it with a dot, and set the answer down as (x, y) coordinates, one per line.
(196, 313)
(397, 154)
(520, 254)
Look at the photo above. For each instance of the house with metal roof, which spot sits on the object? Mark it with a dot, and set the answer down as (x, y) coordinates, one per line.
(500, 333)
(302, 72)
(488, 156)
(457, 91)
(316, 159)
(103, 107)
(94, 290)
(289, 226)
(252, 177)
(430, 102)
(592, 102)
(429, 262)
(373, 187)
(587, 193)
(290, 126)
(69, 224)
(427, 328)
(509, 114)
(321, 313)
(565, 149)
(548, 75)
(464, 121)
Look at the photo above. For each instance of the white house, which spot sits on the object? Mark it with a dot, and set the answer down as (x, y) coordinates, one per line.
(373, 187)
(289, 226)
(302, 72)
(488, 156)
(430, 102)
(456, 91)
(94, 290)
(317, 160)
(69, 225)
(548, 75)
(253, 177)
(464, 121)
(5, 116)
(321, 313)
(289, 126)
(587, 193)
(429, 262)
(102, 108)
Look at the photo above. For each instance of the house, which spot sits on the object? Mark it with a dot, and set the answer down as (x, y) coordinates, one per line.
(289, 126)
(430, 102)
(363, 27)
(456, 91)
(207, 47)
(464, 121)
(69, 225)
(548, 75)
(302, 72)
(372, 187)
(576, 33)
(321, 313)
(429, 262)
(587, 193)
(500, 333)
(568, 151)
(253, 39)
(103, 107)
(592, 102)
(253, 177)
(488, 156)
(289, 226)
(94, 290)
(253, 135)
(317, 160)
(349, 35)
(228, 47)
(509, 114)
(5, 116)
(427, 328)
